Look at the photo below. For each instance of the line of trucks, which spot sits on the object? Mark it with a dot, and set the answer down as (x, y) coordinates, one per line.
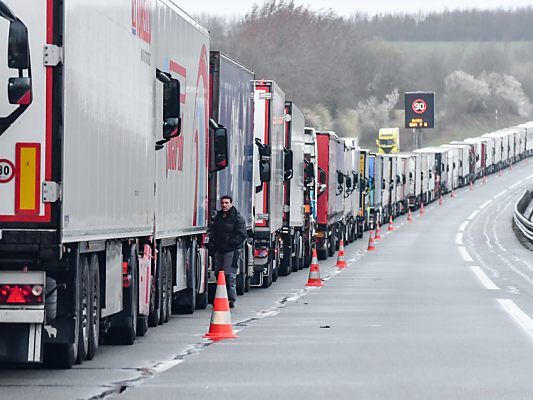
(120, 132)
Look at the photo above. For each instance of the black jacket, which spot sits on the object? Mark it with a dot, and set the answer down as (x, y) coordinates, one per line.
(229, 233)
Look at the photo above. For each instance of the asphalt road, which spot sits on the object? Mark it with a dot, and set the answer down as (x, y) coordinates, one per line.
(441, 310)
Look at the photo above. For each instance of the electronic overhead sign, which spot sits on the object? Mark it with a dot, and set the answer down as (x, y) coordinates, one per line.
(419, 110)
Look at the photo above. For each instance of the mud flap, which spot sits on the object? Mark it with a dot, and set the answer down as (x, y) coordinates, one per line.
(20, 343)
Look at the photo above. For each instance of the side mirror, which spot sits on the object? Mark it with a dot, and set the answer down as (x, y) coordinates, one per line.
(398, 179)
(322, 178)
(383, 185)
(404, 179)
(264, 171)
(19, 91)
(340, 177)
(309, 172)
(288, 169)
(348, 182)
(171, 109)
(355, 176)
(18, 51)
(321, 189)
(220, 147)
(264, 161)
(410, 175)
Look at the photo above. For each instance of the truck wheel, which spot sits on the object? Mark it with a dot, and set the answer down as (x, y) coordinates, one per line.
(94, 307)
(124, 330)
(83, 310)
(163, 315)
(247, 283)
(267, 280)
(285, 263)
(331, 245)
(276, 263)
(156, 296)
(296, 261)
(240, 283)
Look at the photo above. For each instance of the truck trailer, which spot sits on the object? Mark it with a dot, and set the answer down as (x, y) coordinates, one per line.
(104, 218)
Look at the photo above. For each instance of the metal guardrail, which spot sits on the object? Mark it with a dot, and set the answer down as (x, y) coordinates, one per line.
(523, 213)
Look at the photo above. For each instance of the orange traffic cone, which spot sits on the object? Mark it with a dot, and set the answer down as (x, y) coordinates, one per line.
(341, 263)
(484, 178)
(220, 327)
(471, 186)
(378, 232)
(391, 226)
(500, 172)
(440, 200)
(510, 167)
(452, 194)
(421, 208)
(371, 244)
(314, 272)
(409, 216)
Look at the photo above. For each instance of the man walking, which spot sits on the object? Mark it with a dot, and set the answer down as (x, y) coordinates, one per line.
(228, 233)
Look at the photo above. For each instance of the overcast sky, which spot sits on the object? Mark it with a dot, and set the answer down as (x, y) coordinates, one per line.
(346, 7)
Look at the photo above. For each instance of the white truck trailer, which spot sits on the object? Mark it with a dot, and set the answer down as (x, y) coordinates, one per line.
(103, 212)
(269, 136)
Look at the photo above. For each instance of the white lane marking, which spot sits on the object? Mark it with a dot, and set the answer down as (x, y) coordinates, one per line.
(473, 215)
(515, 185)
(500, 194)
(529, 177)
(463, 226)
(459, 239)
(485, 204)
(166, 365)
(483, 278)
(518, 315)
(464, 254)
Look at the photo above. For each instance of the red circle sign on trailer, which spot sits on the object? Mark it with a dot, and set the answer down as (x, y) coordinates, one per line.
(419, 106)
(7, 171)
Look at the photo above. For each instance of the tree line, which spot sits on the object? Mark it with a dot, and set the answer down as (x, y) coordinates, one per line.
(349, 74)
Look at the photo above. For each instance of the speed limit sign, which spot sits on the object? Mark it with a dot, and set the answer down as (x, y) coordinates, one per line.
(419, 110)
(419, 106)
(7, 171)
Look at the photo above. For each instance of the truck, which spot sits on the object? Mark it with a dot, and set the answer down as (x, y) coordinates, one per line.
(313, 188)
(268, 164)
(330, 201)
(292, 258)
(103, 217)
(388, 140)
(232, 107)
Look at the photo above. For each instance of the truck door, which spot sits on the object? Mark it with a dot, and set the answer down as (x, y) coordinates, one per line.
(25, 112)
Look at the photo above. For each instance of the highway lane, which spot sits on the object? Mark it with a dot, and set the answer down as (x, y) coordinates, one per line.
(409, 321)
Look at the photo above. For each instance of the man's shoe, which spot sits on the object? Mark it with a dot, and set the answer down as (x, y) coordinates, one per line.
(231, 304)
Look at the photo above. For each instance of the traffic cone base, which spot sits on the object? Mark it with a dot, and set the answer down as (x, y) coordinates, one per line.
(378, 233)
(440, 200)
(314, 272)
(220, 326)
(391, 226)
(341, 263)
(421, 208)
(371, 246)
(409, 216)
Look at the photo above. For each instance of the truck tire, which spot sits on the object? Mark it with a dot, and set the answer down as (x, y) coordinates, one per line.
(60, 355)
(83, 310)
(94, 314)
(124, 330)
(285, 263)
(331, 245)
(267, 280)
(165, 294)
(156, 296)
(240, 284)
(201, 298)
(296, 260)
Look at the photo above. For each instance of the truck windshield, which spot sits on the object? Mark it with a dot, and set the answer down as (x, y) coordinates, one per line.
(386, 142)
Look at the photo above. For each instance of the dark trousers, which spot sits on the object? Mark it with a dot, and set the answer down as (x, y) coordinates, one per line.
(229, 263)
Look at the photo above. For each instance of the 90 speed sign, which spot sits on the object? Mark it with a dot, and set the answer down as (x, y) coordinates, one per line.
(419, 109)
